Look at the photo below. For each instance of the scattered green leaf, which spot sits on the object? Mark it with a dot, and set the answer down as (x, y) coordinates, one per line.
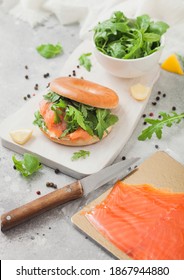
(85, 61)
(29, 165)
(80, 154)
(157, 125)
(49, 50)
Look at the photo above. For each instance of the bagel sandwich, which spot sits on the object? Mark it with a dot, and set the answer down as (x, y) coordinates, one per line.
(76, 112)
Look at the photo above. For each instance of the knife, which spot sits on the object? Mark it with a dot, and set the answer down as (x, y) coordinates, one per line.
(70, 192)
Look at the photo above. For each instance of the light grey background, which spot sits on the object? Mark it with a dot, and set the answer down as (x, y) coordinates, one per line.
(50, 236)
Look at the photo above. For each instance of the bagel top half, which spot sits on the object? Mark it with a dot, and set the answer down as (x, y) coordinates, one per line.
(86, 92)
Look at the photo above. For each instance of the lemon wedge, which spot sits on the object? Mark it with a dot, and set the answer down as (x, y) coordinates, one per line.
(21, 136)
(140, 92)
(173, 64)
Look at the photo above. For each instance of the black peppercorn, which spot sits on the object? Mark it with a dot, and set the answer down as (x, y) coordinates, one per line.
(36, 87)
(154, 103)
(46, 75)
(57, 171)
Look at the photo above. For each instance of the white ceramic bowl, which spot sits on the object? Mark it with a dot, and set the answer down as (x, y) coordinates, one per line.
(129, 68)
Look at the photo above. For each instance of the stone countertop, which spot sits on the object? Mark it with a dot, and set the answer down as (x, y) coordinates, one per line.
(51, 236)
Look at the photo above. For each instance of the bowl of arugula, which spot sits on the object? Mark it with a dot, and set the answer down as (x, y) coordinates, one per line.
(129, 48)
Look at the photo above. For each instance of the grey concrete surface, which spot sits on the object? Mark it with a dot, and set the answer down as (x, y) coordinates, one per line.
(51, 236)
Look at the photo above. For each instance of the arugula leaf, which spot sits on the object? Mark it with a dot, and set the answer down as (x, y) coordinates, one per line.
(85, 61)
(111, 120)
(156, 125)
(136, 45)
(51, 96)
(158, 27)
(75, 115)
(116, 49)
(61, 104)
(75, 119)
(125, 38)
(151, 37)
(49, 50)
(143, 22)
(29, 165)
(58, 107)
(80, 154)
(101, 126)
(119, 16)
(105, 120)
(39, 121)
(93, 120)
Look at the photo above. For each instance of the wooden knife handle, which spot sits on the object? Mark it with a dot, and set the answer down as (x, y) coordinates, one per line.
(41, 205)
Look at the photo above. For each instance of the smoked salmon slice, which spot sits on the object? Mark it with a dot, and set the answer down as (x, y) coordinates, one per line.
(144, 222)
(49, 117)
(79, 134)
(57, 128)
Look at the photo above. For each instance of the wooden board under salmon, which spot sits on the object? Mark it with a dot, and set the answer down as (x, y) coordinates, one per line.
(142, 216)
(142, 221)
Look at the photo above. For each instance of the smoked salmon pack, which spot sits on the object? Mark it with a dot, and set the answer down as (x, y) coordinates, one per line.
(144, 222)
(76, 112)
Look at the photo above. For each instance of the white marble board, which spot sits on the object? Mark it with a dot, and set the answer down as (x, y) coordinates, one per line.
(102, 153)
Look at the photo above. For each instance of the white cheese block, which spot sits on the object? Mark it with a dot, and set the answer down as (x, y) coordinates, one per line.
(21, 136)
(140, 92)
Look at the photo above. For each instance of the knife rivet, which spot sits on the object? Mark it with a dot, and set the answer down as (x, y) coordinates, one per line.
(68, 189)
(8, 218)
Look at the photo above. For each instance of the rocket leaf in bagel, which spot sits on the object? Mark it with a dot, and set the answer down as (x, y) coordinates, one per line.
(52, 97)
(39, 121)
(76, 115)
(105, 120)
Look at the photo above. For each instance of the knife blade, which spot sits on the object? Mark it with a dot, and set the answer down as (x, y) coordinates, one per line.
(70, 192)
(92, 185)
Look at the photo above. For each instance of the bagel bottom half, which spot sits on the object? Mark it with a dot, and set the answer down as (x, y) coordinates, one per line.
(78, 142)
